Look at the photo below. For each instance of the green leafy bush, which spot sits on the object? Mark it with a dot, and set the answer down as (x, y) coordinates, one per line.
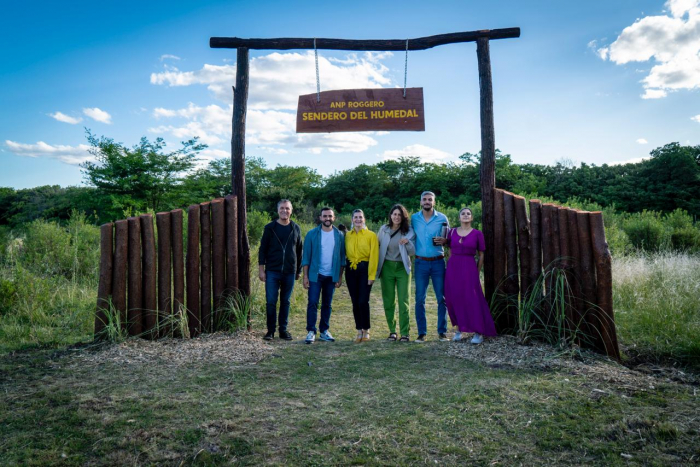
(646, 231)
(8, 296)
(685, 238)
(256, 224)
(47, 249)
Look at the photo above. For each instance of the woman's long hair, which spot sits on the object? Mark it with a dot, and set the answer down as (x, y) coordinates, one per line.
(404, 218)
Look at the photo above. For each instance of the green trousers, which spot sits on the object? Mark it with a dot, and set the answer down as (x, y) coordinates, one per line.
(395, 279)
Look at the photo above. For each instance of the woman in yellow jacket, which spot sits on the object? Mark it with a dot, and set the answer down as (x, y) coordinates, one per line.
(362, 252)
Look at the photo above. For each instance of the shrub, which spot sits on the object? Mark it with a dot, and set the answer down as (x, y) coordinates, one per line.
(8, 296)
(685, 239)
(256, 224)
(47, 249)
(646, 231)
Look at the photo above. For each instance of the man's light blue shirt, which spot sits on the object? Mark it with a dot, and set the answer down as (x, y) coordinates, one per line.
(425, 231)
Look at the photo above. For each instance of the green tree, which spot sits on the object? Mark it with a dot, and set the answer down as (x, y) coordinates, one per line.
(141, 177)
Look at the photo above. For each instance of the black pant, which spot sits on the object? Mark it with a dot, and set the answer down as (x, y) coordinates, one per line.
(356, 280)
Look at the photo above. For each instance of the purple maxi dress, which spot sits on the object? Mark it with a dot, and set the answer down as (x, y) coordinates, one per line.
(463, 295)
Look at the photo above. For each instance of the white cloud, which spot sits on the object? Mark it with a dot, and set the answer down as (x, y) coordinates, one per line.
(425, 153)
(61, 117)
(635, 160)
(642, 141)
(696, 118)
(277, 79)
(69, 154)
(169, 57)
(673, 42)
(98, 115)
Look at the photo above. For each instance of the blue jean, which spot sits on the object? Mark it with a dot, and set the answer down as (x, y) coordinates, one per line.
(324, 288)
(278, 284)
(424, 271)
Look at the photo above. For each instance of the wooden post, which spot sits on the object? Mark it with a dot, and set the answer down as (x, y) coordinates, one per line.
(556, 251)
(193, 313)
(231, 209)
(577, 322)
(535, 243)
(511, 285)
(499, 243)
(150, 296)
(546, 235)
(240, 103)
(523, 244)
(205, 277)
(135, 280)
(121, 249)
(603, 267)
(565, 264)
(587, 278)
(176, 241)
(104, 289)
(487, 168)
(218, 260)
(164, 274)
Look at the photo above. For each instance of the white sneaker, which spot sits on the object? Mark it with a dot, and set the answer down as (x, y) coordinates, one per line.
(477, 339)
(310, 337)
(326, 336)
(457, 337)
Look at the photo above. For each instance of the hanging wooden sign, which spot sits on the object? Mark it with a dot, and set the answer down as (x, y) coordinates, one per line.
(361, 110)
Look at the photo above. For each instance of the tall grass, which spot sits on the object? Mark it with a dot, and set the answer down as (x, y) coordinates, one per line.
(657, 305)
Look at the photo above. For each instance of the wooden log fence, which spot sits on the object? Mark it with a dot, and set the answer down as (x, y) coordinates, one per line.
(162, 291)
(565, 246)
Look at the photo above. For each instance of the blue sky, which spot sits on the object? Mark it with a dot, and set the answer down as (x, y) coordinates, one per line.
(595, 82)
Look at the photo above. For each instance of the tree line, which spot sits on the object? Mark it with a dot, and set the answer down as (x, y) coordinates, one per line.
(125, 180)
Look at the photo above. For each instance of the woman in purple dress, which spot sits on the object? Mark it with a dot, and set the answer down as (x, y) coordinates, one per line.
(464, 298)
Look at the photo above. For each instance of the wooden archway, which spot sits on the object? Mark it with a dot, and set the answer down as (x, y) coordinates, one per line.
(488, 138)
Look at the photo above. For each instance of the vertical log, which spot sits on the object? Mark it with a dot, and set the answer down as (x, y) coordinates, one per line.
(535, 242)
(150, 296)
(487, 168)
(193, 312)
(231, 243)
(104, 289)
(577, 322)
(499, 239)
(121, 249)
(523, 224)
(511, 285)
(565, 265)
(240, 102)
(176, 241)
(587, 278)
(135, 280)
(547, 233)
(165, 300)
(218, 260)
(603, 267)
(556, 251)
(205, 278)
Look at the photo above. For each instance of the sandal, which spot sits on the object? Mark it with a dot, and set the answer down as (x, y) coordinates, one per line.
(405, 339)
(392, 337)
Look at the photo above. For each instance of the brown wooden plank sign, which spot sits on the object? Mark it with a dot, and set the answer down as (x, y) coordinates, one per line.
(361, 110)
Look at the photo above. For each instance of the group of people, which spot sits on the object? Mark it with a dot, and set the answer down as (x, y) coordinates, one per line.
(326, 253)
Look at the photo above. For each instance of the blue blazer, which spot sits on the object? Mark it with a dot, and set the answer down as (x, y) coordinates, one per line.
(312, 253)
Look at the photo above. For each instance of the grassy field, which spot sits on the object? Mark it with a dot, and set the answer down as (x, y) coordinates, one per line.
(337, 403)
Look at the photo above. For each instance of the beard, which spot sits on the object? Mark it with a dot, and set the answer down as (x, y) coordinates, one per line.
(427, 208)
(327, 223)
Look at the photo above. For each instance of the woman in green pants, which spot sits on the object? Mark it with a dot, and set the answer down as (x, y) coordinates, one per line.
(394, 269)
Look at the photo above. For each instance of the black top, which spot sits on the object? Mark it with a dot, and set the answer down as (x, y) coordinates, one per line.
(281, 248)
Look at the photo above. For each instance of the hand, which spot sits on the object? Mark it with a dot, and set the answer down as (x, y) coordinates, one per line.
(296, 278)
(439, 241)
(262, 276)
(339, 283)
(306, 282)
(370, 282)
(403, 241)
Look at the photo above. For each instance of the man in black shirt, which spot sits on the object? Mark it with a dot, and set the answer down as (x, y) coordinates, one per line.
(279, 263)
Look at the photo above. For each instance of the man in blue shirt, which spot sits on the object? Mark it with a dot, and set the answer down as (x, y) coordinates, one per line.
(323, 262)
(430, 262)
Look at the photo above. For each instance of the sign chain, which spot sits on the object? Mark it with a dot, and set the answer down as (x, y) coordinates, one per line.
(405, 71)
(318, 80)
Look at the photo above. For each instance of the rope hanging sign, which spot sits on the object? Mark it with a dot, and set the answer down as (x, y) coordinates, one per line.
(361, 109)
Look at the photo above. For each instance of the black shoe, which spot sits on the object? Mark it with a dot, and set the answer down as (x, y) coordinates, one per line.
(285, 335)
(421, 338)
(270, 335)
(443, 337)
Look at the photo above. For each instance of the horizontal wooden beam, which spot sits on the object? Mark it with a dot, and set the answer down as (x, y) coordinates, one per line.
(420, 43)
